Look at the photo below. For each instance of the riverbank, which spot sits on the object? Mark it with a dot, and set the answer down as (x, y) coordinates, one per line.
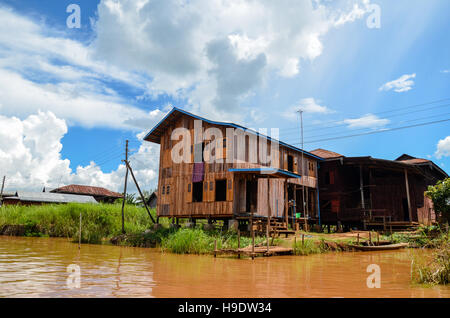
(101, 224)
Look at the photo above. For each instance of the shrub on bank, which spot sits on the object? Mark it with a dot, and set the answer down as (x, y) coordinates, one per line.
(436, 271)
(98, 221)
(198, 241)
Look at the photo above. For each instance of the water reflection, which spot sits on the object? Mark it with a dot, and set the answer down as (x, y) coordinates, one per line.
(36, 267)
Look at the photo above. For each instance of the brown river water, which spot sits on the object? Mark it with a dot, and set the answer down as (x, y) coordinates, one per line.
(37, 267)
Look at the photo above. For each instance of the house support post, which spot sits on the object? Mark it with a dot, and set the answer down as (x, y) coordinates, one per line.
(407, 195)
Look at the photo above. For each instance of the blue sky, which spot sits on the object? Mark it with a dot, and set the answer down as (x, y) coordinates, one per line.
(254, 64)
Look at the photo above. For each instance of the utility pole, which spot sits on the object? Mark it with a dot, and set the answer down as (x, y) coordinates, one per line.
(1, 192)
(3, 186)
(140, 192)
(303, 170)
(125, 188)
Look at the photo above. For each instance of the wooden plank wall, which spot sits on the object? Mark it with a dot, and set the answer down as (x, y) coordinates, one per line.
(176, 177)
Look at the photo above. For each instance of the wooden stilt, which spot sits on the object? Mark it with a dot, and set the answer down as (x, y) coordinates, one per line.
(357, 239)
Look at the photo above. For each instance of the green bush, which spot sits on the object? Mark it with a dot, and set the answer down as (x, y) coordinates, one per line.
(440, 195)
(62, 220)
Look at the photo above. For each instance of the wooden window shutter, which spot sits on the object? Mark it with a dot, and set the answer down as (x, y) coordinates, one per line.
(205, 191)
(285, 160)
(219, 148)
(224, 148)
(335, 206)
(212, 192)
(229, 189)
(189, 192)
(192, 146)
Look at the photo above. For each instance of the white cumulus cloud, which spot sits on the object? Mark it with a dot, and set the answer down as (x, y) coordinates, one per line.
(30, 152)
(403, 84)
(443, 148)
(366, 121)
(307, 105)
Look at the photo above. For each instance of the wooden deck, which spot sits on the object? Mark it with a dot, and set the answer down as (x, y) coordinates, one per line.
(391, 225)
(258, 250)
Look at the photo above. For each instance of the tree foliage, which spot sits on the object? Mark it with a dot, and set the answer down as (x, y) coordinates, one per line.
(440, 195)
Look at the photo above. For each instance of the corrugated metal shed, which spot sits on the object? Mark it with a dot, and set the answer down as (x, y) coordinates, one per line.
(47, 197)
(87, 190)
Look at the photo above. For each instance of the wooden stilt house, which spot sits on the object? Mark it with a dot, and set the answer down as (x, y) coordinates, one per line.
(216, 170)
(368, 192)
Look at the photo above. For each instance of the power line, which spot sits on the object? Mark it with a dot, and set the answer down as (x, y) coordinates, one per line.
(379, 131)
(371, 129)
(344, 124)
(377, 113)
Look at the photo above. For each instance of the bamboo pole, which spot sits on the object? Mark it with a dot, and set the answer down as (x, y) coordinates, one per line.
(253, 236)
(239, 243)
(79, 235)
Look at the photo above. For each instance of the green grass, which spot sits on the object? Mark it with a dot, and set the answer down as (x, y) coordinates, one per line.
(99, 221)
(436, 271)
(198, 241)
(426, 236)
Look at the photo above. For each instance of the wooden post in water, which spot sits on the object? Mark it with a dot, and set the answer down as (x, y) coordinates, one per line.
(357, 239)
(253, 237)
(215, 247)
(239, 243)
(269, 212)
(79, 235)
(303, 240)
(370, 237)
(378, 238)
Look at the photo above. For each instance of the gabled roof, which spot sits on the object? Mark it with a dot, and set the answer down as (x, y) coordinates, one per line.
(405, 158)
(155, 134)
(87, 190)
(326, 154)
(51, 197)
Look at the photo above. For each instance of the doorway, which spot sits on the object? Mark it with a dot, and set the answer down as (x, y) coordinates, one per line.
(405, 209)
(251, 195)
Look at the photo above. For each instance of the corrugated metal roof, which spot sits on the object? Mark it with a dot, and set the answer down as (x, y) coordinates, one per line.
(326, 154)
(86, 190)
(53, 197)
(156, 132)
(415, 161)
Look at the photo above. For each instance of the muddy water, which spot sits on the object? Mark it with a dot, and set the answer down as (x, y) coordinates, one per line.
(37, 267)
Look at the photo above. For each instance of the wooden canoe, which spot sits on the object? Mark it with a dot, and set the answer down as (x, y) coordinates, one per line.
(380, 247)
